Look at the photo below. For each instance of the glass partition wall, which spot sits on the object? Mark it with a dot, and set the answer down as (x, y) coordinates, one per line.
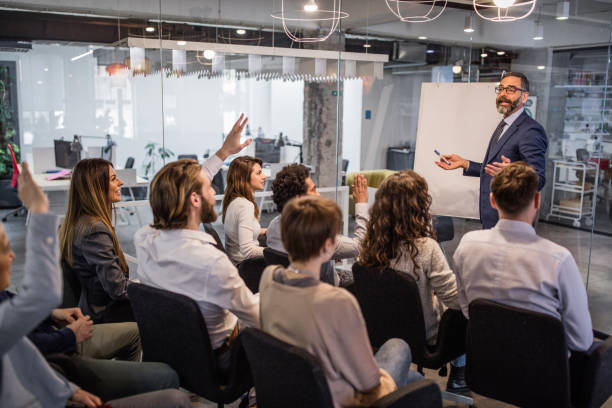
(168, 79)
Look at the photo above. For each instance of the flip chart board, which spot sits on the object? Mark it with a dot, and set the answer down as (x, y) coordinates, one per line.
(454, 118)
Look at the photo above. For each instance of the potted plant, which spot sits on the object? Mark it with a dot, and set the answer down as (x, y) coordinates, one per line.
(154, 153)
(8, 134)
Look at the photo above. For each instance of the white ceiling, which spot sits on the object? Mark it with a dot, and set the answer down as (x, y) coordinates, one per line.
(589, 21)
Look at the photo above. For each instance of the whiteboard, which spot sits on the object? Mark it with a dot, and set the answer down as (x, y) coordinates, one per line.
(454, 118)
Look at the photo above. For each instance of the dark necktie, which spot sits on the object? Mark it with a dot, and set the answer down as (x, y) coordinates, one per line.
(498, 131)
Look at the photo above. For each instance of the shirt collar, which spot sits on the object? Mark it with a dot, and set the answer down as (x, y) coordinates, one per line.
(510, 119)
(515, 226)
(183, 233)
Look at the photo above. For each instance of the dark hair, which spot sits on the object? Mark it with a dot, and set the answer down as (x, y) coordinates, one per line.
(399, 217)
(306, 223)
(170, 191)
(289, 182)
(524, 80)
(238, 182)
(514, 187)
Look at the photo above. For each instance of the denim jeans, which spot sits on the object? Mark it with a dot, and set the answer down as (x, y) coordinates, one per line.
(156, 399)
(395, 357)
(459, 361)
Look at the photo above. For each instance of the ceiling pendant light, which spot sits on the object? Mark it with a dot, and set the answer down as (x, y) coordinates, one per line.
(468, 27)
(420, 11)
(563, 10)
(503, 10)
(311, 14)
(538, 33)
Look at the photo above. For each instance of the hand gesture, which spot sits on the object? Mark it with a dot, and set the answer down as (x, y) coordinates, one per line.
(66, 316)
(232, 144)
(85, 398)
(360, 189)
(29, 193)
(81, 328)
(455, 161)
(495, 167)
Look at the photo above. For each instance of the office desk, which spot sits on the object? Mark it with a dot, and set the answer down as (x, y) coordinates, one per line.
(57, 191)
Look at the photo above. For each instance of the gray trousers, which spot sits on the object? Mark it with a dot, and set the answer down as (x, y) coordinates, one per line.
(157, 399)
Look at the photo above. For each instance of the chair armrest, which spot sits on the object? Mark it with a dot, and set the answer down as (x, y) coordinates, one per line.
(600, 335)
(597, 376)
(422, 394)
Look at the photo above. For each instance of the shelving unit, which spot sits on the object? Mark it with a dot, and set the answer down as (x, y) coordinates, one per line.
(572, 200)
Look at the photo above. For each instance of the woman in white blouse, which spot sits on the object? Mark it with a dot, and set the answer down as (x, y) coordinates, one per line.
(240, 212)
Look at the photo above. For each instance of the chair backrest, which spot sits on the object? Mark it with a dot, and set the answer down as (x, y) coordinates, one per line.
(72, 287)
(274, 257)
(250, 270)
(129, 163)
(217, 183)
(445, 230)
(391, 306)
(173, 331)
(517, 356)
(188, 156)
(284, 375)
(210, 230)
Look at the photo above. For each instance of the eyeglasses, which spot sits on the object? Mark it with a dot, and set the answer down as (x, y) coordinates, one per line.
(510, 90)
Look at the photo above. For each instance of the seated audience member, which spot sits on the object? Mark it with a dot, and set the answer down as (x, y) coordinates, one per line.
(240, 212)
(294, 181)
(27, 379)
(297, 308)
(400, 237)
(173, 253)
(64, 327)
(107, 378)
(510, 264)
(89, 245)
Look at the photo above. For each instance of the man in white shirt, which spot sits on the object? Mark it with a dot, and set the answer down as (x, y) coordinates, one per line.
(173, 253)
(510, 264)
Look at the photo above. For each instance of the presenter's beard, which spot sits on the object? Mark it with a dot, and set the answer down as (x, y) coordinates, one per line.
(207, 213)
(507, 109)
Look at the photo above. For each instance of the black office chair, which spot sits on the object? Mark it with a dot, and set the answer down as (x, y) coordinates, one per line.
(521, 357)
(445, 231)
(274, 257)
(391, 306)
(173, 331)
(129, 163)
(210, 230)
(217, 183)
(250, 270)
(72, 287)
(188, 156)
(288, 376)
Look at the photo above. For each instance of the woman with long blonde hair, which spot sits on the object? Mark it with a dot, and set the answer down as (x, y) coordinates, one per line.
(240, 212)
(400, 236)
(89, 244)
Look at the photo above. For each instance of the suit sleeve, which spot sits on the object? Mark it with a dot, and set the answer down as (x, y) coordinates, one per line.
(532, 148)
(473, 169)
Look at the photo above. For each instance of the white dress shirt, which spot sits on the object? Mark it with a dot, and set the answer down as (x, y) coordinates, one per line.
(241, 231)
(187, 262)
(510, 264)
(346, 247)
(509, 121)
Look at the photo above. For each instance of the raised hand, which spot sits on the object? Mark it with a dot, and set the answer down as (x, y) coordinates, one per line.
(232, 144)
(360, 189)
(455, 161)
(29, 193)
(495, 167)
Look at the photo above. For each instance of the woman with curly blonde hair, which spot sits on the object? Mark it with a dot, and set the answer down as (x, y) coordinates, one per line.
(400, 236)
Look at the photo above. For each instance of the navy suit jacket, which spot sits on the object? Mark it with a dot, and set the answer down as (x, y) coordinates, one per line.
(525, 140)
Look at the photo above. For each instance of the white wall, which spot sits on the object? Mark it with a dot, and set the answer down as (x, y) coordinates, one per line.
(351, 123)
(59, 98)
